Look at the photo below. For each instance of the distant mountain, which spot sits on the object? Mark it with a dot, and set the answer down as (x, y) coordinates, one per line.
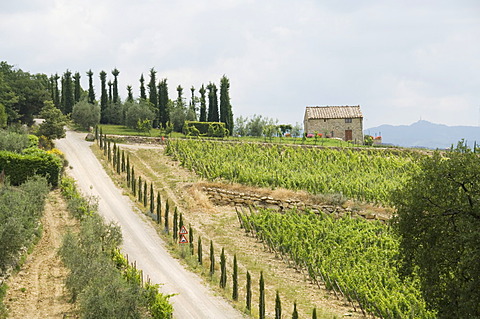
(426, 134)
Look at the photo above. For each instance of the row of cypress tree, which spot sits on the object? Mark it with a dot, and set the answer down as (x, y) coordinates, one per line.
(70, 92)
(145, 194)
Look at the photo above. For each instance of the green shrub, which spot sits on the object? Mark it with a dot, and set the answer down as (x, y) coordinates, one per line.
(210, 129)
(20, 210)
(13, 142)
(19, 167)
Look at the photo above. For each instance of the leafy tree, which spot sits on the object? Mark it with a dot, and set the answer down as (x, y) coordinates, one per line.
(143, 96)
(212, 103)
(22, 93)
(226, 114)
(104, 96)
(439, 224)
(91, 92)
(53, 126)
(138, 111)
(116, 98)
(164, 112)
(77, 88)
(86, 114)
(203, 104)
(261, 300)
(278, 307)
(3, 116)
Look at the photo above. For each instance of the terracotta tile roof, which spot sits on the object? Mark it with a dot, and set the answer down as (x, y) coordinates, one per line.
(333, 112)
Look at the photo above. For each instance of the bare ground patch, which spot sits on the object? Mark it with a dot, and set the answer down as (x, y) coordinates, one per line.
(38, 289)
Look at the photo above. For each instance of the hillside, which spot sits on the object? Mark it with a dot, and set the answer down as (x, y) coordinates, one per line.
(425, 134)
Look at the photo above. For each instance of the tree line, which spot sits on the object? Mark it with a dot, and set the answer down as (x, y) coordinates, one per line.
(153, 105)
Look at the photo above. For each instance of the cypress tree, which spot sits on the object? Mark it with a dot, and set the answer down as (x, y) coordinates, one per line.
(249, 292)
(166, 216)
(226, 115)
(152, 199)
(109, 152)
(199, 251)
(223, 269)
(212, 103)
(203, 105)
(190, 239)
(78, 89)
(175, 224)
(191, 113)
(103, 96)
(180, 222)
(278, 307)
(145, 194)
(159, 208)
(261, 301)
(115, 73)
(163, 111)
(110, 95)
(91, 92)
(140, 199)
(152, 88)
(127, 168)
(295, 312)
(119, 164)
(212, 259)
(56, 99)
(314, 313)
(143, 96)
(123, 161)
(133, 180)
(96, 132)
(235, 279)
(67, 89)
(130, 94)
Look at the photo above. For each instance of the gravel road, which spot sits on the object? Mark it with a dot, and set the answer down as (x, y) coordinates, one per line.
(140, 240)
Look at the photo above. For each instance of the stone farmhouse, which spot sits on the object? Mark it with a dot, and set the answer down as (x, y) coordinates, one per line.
(345, 122)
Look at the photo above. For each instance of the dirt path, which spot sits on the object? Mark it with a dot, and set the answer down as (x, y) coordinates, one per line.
(37, 290)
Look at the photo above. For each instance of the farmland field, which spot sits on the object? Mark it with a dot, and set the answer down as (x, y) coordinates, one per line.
(366, 175)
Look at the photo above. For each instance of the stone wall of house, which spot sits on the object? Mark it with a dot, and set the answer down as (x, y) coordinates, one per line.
(337, 126)
(223, 197)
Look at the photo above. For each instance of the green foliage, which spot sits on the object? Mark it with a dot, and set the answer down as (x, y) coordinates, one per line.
(86, 114)
(248, 299)
(261, 297)
(13, 142)
(368, 175)
(3, 116)
(210, 129)
(366, 251)
(200, 251)
(439, 224)
(278, 306)
(20, 211)
(235, 279)
(295, 312)
(100, 278)
(55, 121)
(223, 269)
(78, 205)
(19, 167)
(137, 111)
(212, 259)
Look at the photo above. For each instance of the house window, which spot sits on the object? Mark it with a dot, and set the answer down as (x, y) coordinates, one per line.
(348, 120)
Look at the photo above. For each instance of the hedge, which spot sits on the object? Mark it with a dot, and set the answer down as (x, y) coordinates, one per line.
(19, 167)
(210, 129)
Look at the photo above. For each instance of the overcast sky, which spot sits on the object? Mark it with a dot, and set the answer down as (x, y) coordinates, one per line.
(400, 60)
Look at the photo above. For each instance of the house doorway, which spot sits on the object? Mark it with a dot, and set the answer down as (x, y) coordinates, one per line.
(348, 135)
